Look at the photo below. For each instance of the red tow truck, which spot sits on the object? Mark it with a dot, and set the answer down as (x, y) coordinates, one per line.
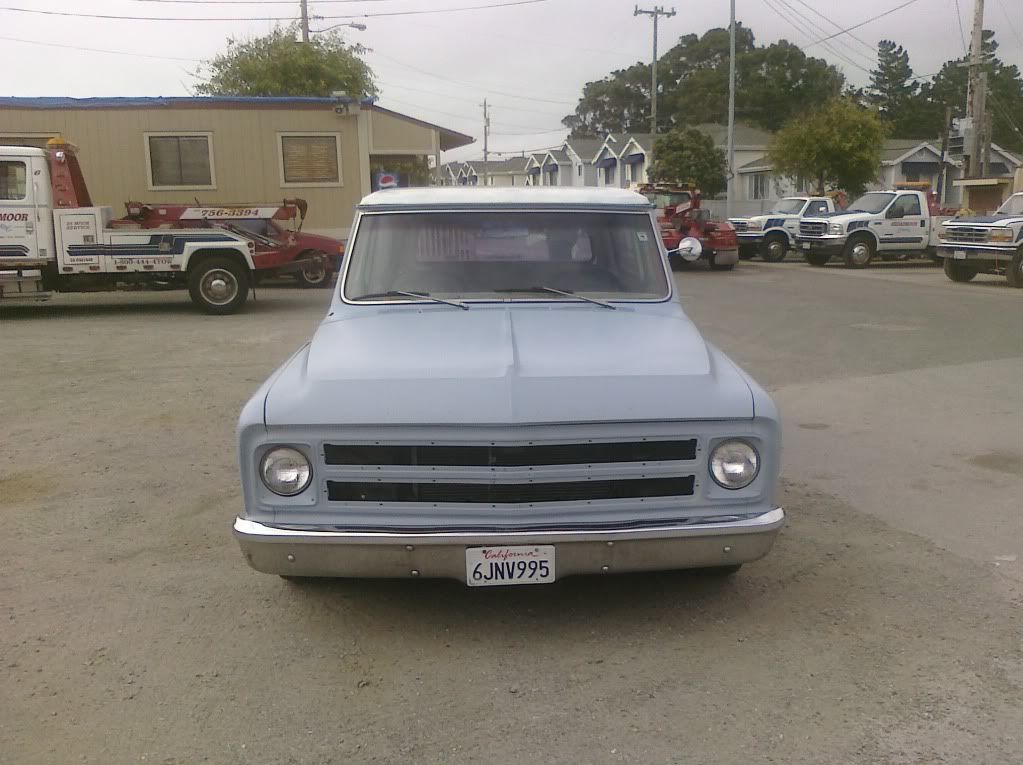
(680, 215)
(54, 239)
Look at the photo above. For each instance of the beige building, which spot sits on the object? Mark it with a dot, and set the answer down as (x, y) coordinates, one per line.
(225, 149)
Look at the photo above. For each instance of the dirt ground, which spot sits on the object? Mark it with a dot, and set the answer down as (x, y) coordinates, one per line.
(133, 631)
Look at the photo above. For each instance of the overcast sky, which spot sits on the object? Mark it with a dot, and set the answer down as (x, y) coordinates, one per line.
(529, 60)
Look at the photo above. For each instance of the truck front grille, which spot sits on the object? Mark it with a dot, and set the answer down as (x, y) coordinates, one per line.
(509, 493)
(740, 225)
(811, 228)
(511, 456)
(966, 234)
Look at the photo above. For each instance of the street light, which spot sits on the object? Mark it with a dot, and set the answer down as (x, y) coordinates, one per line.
(360, 27)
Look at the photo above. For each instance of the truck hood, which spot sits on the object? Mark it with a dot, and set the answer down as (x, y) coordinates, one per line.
(989, 220)
(534, 364)
(838, 217)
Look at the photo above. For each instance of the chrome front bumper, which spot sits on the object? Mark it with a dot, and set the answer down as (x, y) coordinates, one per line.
(441, 555)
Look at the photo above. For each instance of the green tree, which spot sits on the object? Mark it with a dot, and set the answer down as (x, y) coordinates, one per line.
(686, 155)
(837, 145)
(279, 65)
(891, 83)
(773, 83)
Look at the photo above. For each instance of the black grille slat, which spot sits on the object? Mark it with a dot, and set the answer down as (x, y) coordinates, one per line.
(509, 493)
(511, 456)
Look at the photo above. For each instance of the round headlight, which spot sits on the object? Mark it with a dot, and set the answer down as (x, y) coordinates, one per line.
(734, 464)
(285, 471)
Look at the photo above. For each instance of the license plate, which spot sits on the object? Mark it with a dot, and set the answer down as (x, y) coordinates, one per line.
(496, 566)
(806, 245)
(959, 255)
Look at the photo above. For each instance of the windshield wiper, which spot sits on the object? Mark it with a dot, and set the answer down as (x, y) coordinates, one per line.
(566, 293)
(418, 295)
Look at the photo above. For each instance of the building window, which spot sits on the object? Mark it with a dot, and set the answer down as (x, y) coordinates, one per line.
(12, 180)
(759, 186)
(579, 171)
(309, 159)
(609, 175)
(180, 160)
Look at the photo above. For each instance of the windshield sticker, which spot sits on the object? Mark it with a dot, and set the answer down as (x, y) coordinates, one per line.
(641, 235)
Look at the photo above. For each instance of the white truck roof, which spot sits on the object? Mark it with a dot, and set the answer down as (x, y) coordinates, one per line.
(524, 196)
(21, 151)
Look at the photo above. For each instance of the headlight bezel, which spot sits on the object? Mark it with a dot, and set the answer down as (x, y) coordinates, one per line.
(1006, 235)
(835, 229)
(757, 463)
(263, 465)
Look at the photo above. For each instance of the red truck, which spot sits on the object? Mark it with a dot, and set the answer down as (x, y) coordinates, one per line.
(680, 215)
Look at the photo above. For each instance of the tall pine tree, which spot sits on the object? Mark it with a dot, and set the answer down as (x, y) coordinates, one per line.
(891, 84)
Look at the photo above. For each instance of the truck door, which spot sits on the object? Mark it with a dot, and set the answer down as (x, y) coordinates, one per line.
(18, 224)
(905, 226)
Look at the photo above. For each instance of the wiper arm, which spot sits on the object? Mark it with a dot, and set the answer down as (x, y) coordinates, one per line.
(418, 295)
(566, 293)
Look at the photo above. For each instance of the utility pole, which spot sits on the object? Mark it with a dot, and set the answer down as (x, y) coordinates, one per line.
(656, 13)
(486, 141)
(976, 103)
(305, 20)
(730, 193)
(942, 180)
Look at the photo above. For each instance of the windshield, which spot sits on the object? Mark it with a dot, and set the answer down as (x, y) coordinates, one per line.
(662, 199)
(492, 255)
(874, 202)
(1012, 206)
(789, 206)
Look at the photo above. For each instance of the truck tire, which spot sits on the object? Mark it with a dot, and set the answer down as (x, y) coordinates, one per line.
(774, 248)
(958, 271)
(859, 251)
(747, 251)
(1014, 273)
(313, 276)
(715, 266)
(816, 258)
(219, 285)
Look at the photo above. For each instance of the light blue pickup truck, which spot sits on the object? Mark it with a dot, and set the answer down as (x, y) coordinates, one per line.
(506, 390)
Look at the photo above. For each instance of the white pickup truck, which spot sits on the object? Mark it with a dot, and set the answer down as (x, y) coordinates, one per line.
(895, 225)
(773, 234)
(985, 245)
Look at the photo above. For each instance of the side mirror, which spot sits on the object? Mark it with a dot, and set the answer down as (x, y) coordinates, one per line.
(896, 212)
(689, 249)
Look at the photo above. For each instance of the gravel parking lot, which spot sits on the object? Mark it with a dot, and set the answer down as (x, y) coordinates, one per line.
(884, 628)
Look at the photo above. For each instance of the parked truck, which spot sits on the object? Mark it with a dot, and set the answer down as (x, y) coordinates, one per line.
(680, 216)
(985, 245)
(895, 225)
(53, 239)
(774, 233)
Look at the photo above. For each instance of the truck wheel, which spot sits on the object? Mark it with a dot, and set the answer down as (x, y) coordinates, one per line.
(817, 258)
(1014, 274)
(958, 271)
(313, 275)
(715, 266)
(775, 248)
(859, 252)
(219, 285)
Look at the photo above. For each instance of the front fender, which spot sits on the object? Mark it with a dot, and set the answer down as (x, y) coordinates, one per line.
(225, 248)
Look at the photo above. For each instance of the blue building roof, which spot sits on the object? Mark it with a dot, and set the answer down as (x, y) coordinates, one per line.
(63, 102)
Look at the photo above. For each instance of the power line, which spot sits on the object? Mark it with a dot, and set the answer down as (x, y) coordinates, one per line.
(1012, 26)
(118, 17)
(253, 2)
(846, 30)
(835, 24)
(417, 89)
(784, 15)
(962, 32)
(101, 50)
(507, 94)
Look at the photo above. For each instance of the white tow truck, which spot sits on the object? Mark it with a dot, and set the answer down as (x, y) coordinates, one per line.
(895, 225)
(773, 234)
(53, 239)
(985, 245)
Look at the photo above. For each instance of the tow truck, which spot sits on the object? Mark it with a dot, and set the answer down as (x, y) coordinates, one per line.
(985, 245)
(53, 239)
(896, 225)
(773, 234)
(680, 216)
